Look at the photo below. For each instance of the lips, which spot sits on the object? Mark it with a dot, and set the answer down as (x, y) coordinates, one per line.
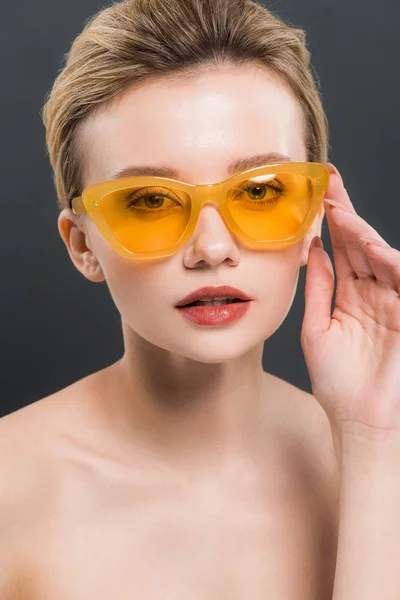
(214, 293)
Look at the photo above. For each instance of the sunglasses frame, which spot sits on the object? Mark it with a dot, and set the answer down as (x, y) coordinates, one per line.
(213, 193)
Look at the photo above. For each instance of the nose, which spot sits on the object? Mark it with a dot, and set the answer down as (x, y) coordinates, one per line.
(211, 243)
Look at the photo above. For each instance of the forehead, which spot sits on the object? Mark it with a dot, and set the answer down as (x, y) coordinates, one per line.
(198, 125)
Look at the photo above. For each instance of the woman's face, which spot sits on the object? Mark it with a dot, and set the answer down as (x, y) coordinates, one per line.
(196, 127)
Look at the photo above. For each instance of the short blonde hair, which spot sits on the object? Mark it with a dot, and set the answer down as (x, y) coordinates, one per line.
(137, 40)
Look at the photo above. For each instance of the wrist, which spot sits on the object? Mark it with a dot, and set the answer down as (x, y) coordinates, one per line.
(361, 443)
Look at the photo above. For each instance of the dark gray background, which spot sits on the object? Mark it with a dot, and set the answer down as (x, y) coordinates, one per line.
(57, 327)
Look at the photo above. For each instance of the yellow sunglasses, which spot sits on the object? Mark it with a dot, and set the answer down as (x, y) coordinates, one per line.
(153, 217)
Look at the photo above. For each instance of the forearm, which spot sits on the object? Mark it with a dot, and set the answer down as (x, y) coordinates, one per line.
(368, 555)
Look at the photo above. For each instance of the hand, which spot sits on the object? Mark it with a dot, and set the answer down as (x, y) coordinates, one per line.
(353, 356)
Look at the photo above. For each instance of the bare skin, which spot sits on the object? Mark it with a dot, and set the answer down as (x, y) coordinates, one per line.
(183, 470)
(84, 517)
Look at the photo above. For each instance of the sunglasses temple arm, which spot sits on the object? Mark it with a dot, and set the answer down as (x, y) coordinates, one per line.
(77, 206)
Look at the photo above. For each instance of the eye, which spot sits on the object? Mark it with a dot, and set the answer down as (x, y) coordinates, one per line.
(152, 198)
(260, 194)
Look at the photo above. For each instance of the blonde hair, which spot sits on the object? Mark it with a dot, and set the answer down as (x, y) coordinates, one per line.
(137, 40)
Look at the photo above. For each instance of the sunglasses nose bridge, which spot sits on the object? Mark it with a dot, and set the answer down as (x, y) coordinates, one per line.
(208, 194)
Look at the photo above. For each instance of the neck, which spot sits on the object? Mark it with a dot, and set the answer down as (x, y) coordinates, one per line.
(182, 410)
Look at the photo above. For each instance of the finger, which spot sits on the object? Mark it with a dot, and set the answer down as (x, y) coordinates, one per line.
(366, 228)
(374, 262)
(357, 261)
(319, 287)
(385, 262)
(344, 199)
(337, 193)
(367, 264)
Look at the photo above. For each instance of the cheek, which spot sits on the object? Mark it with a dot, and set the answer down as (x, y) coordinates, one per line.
(139, 288)
(277, 284)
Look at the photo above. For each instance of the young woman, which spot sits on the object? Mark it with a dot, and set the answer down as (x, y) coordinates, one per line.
(189, 148)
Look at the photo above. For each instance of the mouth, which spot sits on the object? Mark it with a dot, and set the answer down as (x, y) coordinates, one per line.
(216, 302)
(215, 312)
(214, 296)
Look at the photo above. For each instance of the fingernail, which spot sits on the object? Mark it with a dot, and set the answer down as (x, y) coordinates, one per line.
(316, 241)
(337, 205)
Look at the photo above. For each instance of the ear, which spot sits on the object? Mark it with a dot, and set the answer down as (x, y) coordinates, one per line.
(74, 233)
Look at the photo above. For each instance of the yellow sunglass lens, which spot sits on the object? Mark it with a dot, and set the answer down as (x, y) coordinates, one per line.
(146, 219)
(271, 207)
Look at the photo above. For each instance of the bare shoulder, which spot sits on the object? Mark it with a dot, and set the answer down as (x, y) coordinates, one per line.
(23, 479)
(31, 451)
(304, 421)
(296, 408)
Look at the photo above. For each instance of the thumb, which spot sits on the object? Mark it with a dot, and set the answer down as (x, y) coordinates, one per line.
(320, 281)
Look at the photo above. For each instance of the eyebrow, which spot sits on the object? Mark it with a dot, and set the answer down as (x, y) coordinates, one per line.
(237, 166)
